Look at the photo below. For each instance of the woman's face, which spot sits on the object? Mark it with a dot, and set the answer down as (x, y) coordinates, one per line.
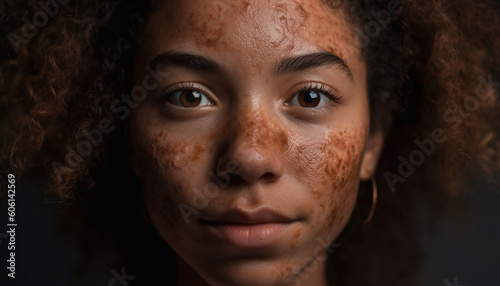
(251, 148)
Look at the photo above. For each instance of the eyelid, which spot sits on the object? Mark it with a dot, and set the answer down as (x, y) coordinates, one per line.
(327, 90)
(189, 86)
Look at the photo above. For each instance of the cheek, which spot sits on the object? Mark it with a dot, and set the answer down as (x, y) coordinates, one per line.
(166, 171)
(330, 169)
(342, 163)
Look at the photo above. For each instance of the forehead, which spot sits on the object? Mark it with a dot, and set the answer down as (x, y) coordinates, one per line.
(256, 27)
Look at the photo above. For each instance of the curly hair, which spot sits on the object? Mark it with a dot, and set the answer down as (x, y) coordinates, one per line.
(433, 77)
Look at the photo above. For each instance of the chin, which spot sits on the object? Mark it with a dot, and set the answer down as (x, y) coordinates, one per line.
(249, 274)
(247, 270)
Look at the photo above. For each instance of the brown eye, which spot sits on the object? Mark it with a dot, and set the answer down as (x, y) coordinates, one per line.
(188, 98)
(314, 96)
(308, 98)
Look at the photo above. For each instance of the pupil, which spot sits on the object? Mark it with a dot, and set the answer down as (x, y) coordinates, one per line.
(190, 98)
(193, 96)
(309, 98)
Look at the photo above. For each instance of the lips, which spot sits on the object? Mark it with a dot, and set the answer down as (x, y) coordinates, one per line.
(260, 216)
(249, 229)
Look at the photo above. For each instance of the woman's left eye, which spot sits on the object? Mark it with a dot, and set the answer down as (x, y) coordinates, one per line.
(188, 98)
(312, 98)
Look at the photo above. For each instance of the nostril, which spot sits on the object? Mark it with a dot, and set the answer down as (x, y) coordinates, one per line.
(235, 179)
(269, 176)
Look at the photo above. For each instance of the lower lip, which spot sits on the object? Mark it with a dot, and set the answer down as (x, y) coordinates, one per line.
(250, 235)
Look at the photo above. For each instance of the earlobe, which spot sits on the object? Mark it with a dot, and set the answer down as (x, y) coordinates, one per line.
(371, 155)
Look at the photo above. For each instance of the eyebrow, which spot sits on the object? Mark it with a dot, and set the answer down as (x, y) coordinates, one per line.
(314, 60)
(288, 65)
(189, 61)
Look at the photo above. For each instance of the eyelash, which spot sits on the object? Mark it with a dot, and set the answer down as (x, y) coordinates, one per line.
(330, 92)
(183, 86)
(186, 86)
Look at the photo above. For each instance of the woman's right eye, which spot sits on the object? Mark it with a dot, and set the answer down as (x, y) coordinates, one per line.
(188, 98)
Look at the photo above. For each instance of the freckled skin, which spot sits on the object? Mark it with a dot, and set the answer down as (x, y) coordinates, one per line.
(290, 17)
(166, 159)
(257, 130)
(295, 237)
(303, 163)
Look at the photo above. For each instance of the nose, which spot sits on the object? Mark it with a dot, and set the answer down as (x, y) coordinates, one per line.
(253, 144)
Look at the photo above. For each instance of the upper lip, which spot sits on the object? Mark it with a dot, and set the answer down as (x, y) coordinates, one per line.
(260, 216)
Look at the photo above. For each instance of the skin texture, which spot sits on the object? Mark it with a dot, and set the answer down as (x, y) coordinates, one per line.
(302, 162)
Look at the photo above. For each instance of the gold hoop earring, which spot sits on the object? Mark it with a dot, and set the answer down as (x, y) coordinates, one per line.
(374, 203)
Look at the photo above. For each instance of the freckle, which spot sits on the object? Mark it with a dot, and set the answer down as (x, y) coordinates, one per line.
(303, 13)
(289, 21)
(196, 152)
(207, 35)
(283, 139)
(245, 6)
(316, 193)
(283, 273)
(295, 237)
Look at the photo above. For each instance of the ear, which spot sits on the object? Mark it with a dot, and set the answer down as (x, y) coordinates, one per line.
(373, 149)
